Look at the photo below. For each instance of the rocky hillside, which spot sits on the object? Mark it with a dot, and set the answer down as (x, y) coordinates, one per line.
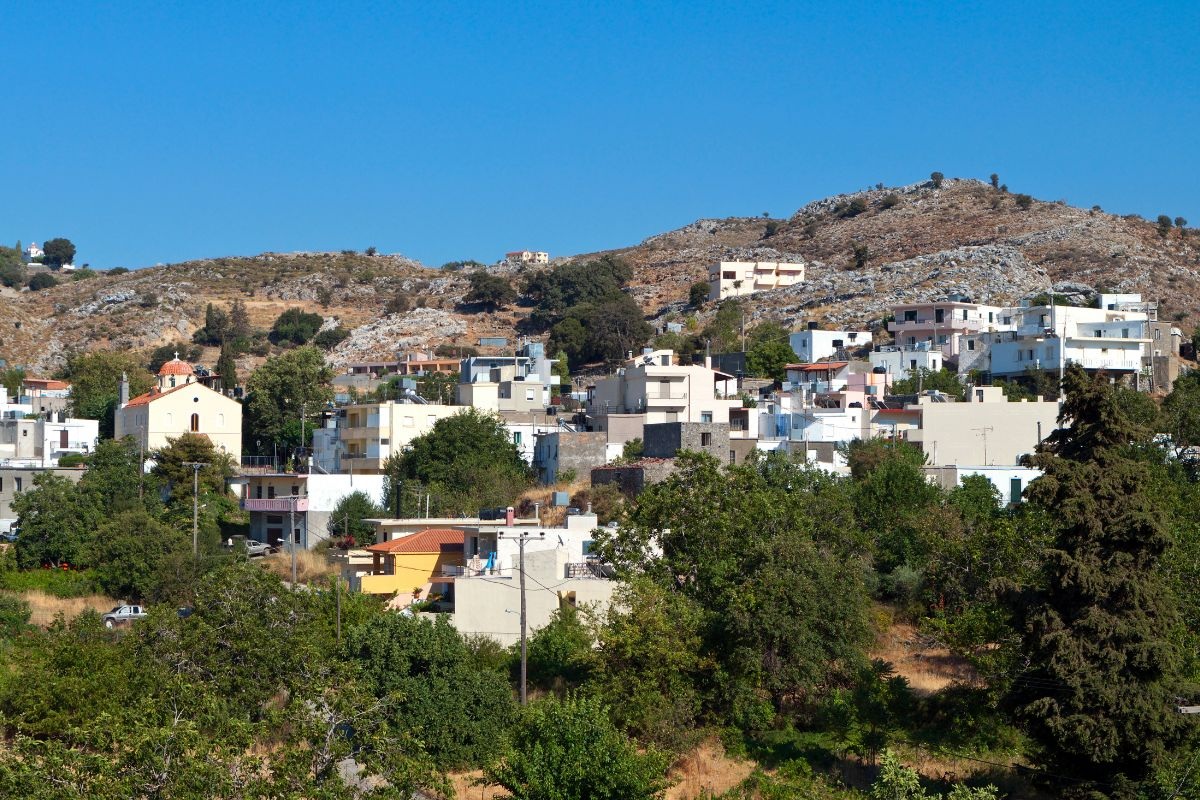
(921, 243)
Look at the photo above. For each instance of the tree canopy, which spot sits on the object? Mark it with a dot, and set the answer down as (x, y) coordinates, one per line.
(57, 252)
(282, 389)
(96, 384)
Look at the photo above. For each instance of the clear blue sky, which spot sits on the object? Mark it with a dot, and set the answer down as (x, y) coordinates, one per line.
(159, 132)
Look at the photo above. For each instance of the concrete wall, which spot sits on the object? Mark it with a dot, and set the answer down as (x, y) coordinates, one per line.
(482, 604)
(569, 450)
(994, 432)
(631, 479)
(814, 345)
(665, 440)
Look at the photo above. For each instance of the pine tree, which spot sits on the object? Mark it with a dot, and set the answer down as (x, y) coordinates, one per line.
(227, 368)
(1098, 689)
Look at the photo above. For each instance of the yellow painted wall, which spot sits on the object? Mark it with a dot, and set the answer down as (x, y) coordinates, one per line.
(412, 570)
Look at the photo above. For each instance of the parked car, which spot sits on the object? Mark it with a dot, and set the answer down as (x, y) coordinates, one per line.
(123, 614)
(8, 536)
(254, 548)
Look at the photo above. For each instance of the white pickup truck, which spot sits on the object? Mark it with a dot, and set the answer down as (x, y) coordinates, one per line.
(122, 615)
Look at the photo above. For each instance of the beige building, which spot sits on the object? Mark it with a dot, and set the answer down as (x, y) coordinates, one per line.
(179, 405)
(527, 257)
(987, 430)
(652, 388)
(739, 278)
(361, 437)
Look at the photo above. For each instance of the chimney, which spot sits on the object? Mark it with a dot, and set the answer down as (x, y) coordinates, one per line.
(124, 401)
(510, 515)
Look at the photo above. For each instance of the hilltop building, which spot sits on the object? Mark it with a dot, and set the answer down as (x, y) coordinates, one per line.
(813, 344)
(739, 278)
(527, 257)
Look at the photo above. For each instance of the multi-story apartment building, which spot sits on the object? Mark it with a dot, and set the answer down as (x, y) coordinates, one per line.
(45, 395)
(902, 361)
(407, 364)
(359, 438)
(303, 503)
(1118, 338)
(652, 388)
(740, 278)
(826, 402)
(944, 322)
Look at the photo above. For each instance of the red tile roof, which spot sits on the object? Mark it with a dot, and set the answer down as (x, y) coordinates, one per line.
(430, 540)
(176, 367)
(155, 393)
(45, 383)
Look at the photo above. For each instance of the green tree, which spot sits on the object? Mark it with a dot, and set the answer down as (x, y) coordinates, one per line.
(570, 749)
(461, 712)
(295, 326)
(283, 389)
(1103, 666)
(42, 280)
(560, 653)
(12, 269)
(468, 461)
(131, 551)
(58, 252)
(216, 505)
(562, 368)
(698, 294)
(96, 384)
(227, 368)
(489, 290)
(779, 574)
(1023, 201)
(1164, 225)
(936, 178)
(650, 664)
(995, 180)
(348, 515)
(11, 379)
(769, 352)
(891, 498)
(724, 330)
(57, 523)
(942, 380)
(331, 337)
(861, 254)
(115, 480)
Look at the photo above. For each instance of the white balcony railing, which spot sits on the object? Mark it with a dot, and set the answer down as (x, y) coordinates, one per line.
(275, 503)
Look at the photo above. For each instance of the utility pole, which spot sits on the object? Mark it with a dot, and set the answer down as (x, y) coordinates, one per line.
(984, 432)
(196, 467)
(522, 538)
(292, 536)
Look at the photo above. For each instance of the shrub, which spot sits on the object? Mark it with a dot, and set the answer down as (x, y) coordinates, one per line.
(995, 179)
(852, 209)
(889, 201)
(698, 294)
(397, 304)
(936, 178)
(771, 228)
(43, 280)
(57, 582)
(331, 338)
(117, 271)
(1164, 225)
(295, 326)
(1024, 201)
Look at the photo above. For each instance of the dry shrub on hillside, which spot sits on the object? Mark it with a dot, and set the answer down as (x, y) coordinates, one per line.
(310, 567)
(45, 607)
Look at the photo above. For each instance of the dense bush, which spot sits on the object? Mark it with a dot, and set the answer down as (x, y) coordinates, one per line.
(295, 326)
(42, 280)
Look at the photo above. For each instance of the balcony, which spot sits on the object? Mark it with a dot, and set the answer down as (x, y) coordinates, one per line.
(275, 503)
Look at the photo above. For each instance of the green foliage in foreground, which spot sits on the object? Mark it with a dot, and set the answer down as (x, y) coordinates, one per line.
(570, 749)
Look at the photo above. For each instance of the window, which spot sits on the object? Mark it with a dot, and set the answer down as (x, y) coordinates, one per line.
(1099, 333)
(705, 439)
(943, 339)
(912, 363)
(732, 456)
(1014, 490)
(385, 441)
(991, 316)
(1124, 333)
(17, 481)
(706, 416)
(271, 492)
(63, 439)
(910, 315)
(912, 341)
(939, 315)
(728, 276)
(516, 437)
(1020, 355)
(964, 315)
(274, 519)
(1158, 333)
(195, 423)
(529, 394)
(295, 490)
(1008, 320)
(258, 492)
(1, 485)
(970, 344)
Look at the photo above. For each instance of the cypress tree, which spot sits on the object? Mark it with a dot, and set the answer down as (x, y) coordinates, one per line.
(227, 369)
(1098, 689)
